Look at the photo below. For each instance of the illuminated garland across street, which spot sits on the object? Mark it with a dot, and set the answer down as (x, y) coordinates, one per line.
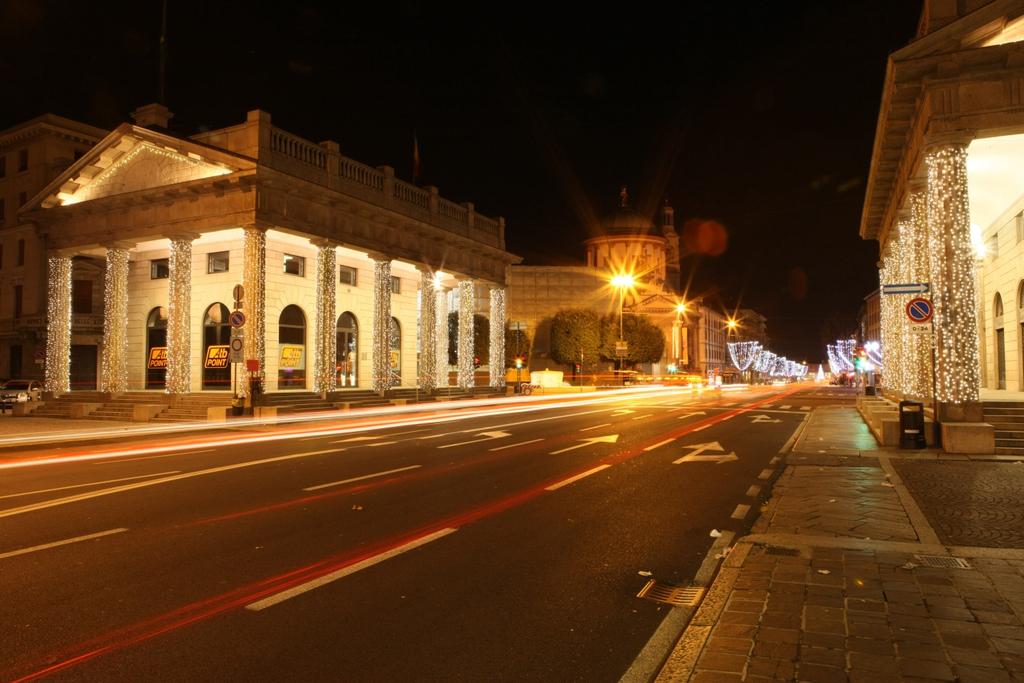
(743, 354)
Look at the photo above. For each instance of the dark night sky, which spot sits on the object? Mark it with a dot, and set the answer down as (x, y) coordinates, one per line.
(759, 116)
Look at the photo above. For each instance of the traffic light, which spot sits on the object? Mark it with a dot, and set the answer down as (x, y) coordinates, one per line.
(519, 362)
(860, 360)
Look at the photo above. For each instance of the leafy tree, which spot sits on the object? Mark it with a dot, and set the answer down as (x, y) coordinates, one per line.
(575, 336)
(516, 341)
(481, 337)
(645, 340)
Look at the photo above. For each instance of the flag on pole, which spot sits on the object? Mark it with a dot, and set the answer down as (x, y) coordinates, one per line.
(415, 159)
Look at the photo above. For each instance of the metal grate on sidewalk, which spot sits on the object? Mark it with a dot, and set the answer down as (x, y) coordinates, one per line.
(671, 595)
(942, 562)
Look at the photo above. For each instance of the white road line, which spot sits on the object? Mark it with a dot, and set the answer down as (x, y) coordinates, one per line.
(513, 445)
(766, 474)
(786, 407)
(740, 512)
(358, 438)
(91, 483)
(380, 443)
(701, 427)
(768, 405)
(55, 544)
(570, 480)
(754, 491)
(347, 571)
(659, 444)
(727, 417)
(587, 429)
(729, 405)
(365, 476)
(10, 512)
(640, 417)
(805, 407)
(117, 460)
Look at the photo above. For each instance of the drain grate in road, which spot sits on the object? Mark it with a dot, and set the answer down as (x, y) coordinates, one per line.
(671, 595)
(943, 562)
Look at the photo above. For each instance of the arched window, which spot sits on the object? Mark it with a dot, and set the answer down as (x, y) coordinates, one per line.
(998, 306)
(156, 348)
(1000, 342)
(347, 350)
(1020, 295)
(395, 336)
(216, 350)
(291, 343)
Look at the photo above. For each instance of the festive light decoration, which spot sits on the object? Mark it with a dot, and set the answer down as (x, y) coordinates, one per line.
(844, 350)
(58, 324)
(179, 303)
(114, 365)
(442, 365)
(254, 271)
(428, 330)
(496, 361)
(780, 367)
(951, 267)
(466, 306)
(743, 354)
(874, 352)
(765, 362)
(325, 369)
(381, 341)
(821, 373)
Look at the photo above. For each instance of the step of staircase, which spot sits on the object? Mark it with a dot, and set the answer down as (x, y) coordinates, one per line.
(1009, 443)
(1003, 450)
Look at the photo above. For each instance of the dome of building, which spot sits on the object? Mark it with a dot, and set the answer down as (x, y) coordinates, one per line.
(625, 221)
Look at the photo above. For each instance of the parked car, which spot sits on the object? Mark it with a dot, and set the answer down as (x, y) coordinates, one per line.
(20, 391)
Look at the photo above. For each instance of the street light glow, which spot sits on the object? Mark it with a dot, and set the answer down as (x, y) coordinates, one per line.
(622, 280)
(681, 307)
(731, 323)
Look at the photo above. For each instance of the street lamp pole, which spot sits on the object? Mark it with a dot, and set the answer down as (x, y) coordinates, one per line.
(621, 282)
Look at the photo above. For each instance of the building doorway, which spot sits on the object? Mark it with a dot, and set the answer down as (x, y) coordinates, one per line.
(156, 348)
(395, 353)
(1000, 342)
(347, 350)
(291, 344)
(216, 348)
(83, 367)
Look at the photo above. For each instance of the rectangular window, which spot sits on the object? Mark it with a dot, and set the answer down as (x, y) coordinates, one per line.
(21, 253)
(992, 246)
(22, 159)
(17, 301)
(294, 265)
(217, 262)
(81, 296)
(396, 284)
(159, 269)
(348, 275)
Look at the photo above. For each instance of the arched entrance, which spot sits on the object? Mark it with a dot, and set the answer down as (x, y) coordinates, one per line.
(395, 355)
(291, 344)
(216, 348)
(1000, 340)
(347, 350)
(156, 348)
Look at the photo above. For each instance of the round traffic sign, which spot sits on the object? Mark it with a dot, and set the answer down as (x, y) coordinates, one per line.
(236, 344)
(238, 292)
(919, 310)
(237, 318)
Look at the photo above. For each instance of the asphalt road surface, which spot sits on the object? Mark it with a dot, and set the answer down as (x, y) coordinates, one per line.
(463, 545)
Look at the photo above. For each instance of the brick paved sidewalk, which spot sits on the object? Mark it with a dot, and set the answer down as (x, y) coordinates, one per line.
(833, 584)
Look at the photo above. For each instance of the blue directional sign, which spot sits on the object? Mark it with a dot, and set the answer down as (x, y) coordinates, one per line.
(907, 288)
(920, 310)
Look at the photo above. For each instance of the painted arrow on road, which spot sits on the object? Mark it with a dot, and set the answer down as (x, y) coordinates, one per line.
(611, 438)
(763, 418)
(683, 417)
(698, 448)
(487, 437)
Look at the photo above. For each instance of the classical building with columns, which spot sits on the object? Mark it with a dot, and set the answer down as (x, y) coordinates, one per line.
(946, 180)
(347, 273)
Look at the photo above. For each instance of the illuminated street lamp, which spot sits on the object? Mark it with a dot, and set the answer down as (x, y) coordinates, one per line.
(622, 282)
(677, 335)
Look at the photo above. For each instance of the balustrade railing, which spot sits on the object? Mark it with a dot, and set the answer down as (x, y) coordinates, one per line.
(296, 148)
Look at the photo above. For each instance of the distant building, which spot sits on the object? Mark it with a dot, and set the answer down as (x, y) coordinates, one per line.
(870, 327)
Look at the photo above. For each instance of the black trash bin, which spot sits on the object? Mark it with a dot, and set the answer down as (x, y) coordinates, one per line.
(912, 425)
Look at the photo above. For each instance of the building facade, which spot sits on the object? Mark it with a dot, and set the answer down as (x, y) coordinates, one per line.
(332, 274)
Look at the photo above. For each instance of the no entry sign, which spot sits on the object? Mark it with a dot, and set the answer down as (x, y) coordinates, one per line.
(919, 310)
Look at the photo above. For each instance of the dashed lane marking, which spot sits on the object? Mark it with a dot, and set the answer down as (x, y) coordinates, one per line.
(697, 429)
(365, 476)
(581, 475)
(640, 417)
(805, 407)
(754, 491)
(66, 541)
(117, 460)
(785, 407)
(766, 474)
(659, 444)
(513, 445)
(91, 483)
(587, 429)
(740, 512)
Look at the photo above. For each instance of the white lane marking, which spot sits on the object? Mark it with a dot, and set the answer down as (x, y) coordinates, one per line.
(805, 407)
(488, 436)
(380, 443)
(765, 474)
(740, 512)
(774, 461)
(359, 438)
(513, 445)
(91, 483)
(55, 544)
(570, 480)
(754, 491)
(117, 460)
(10, 512)
(786, 407)
(365, 476)
(611, 438)
(659, 444)
(342, 573)
(768, 405)
(727, 417)
(701, 427)
(587, 429)
(729, 405)
(640, 417)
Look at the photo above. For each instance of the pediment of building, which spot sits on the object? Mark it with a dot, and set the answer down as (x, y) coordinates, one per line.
(133, 159)
(996, 23)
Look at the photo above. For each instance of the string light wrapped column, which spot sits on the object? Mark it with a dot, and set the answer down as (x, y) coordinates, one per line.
(325, 372)
(114, 365)
(58, 324)
(179, 316)
(467, 304)
(380, 344)
(427, 371)
(254, 273)
(496, 355)
(441, 324)
(917, 348)
(951, 264)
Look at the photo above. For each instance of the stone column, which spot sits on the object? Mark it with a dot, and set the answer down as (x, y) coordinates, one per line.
(427, 370)
(114, 364)
(496, 355)
(325, 372)
(179, 316)
(254, 274)
(467, 303)
(951, 265)
(58, 324)
(380, 342)
(441, 313)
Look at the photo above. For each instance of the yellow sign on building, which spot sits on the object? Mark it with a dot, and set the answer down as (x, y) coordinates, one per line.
(293, 357)
(157, 358)
(216, 357)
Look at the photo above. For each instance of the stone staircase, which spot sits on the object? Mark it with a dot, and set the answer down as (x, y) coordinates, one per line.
(1008, 420)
